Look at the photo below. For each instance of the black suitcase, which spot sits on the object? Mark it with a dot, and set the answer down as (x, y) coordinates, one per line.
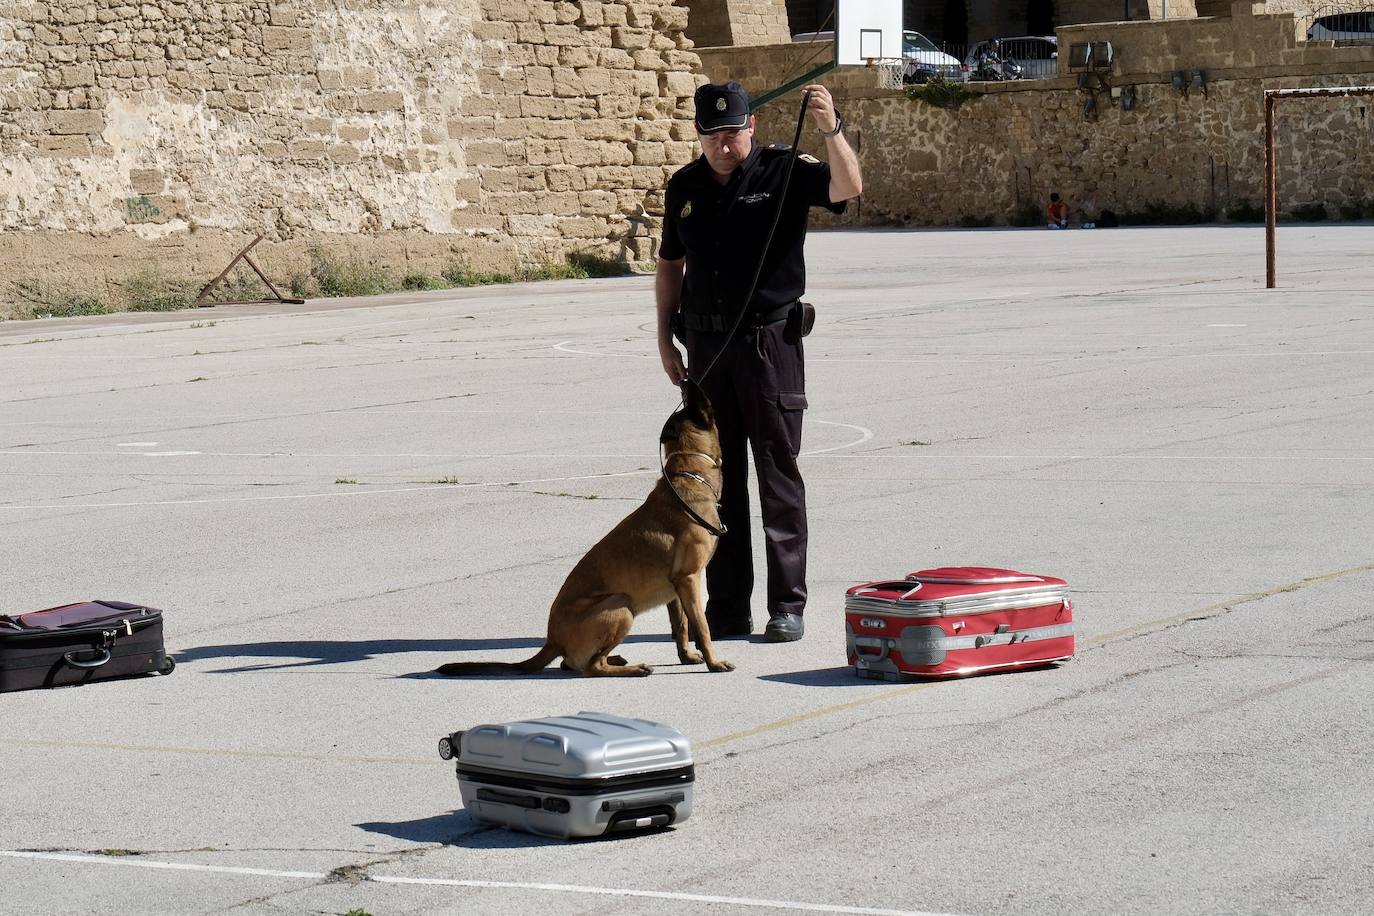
(81, 643)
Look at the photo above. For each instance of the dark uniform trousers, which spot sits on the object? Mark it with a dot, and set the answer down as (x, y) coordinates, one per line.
(758, 390)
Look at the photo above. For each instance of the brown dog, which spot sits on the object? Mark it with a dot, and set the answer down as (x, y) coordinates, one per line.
(656, 555)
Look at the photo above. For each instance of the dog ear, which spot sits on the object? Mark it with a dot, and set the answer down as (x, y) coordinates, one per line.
(699, 408)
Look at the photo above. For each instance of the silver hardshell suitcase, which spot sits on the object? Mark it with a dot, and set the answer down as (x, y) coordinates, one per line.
(574, 776)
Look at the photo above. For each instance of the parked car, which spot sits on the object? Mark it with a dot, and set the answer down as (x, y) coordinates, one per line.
(1037, 55)
(924, 61)
(1342, 26)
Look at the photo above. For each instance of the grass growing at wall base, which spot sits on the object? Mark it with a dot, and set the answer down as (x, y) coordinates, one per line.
(329, 274)
(145, 292)
(332, 275)
(941, 93)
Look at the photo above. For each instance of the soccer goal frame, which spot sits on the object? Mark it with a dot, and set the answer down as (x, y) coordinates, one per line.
(1271, 167)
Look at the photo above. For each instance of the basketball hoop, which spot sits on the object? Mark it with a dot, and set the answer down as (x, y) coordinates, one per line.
(890, 71)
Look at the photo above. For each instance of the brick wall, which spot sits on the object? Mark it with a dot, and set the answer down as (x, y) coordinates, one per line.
(412, 132)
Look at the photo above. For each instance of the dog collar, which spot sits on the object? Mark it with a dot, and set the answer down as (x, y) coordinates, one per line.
(715, 462)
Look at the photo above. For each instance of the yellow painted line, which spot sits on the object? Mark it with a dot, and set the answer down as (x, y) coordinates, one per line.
(215, 751)
(1229, 603)
(1139, 629)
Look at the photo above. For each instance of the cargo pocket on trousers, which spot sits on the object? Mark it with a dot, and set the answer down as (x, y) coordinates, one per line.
(793, 403)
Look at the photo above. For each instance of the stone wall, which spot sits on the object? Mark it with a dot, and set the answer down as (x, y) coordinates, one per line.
(165, 134)
(737, 23)
(989, 159)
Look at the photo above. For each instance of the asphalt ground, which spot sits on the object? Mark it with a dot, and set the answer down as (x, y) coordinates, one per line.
(1128, 409)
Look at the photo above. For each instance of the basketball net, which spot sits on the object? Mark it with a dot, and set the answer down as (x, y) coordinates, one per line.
(889, 71)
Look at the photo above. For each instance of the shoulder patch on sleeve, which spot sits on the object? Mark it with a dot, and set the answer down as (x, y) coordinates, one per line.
(807, 157)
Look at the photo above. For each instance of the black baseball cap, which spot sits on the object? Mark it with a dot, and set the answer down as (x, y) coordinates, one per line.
(722, 106)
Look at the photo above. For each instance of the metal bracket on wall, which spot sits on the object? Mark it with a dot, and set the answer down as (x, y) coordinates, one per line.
(1183, 80)
(243, 256)
(1092, 83)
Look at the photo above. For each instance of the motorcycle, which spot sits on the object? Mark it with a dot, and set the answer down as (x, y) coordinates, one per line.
(993, 68)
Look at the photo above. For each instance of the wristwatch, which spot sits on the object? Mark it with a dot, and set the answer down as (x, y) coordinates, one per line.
(839, 126)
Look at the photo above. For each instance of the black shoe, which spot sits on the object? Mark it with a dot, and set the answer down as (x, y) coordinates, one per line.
(784, 628)
(734, 627)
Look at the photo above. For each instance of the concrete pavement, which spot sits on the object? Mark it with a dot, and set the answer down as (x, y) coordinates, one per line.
(329, 502)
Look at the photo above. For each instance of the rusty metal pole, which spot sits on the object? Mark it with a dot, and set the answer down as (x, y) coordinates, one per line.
(1271, 169)
(1271, 190)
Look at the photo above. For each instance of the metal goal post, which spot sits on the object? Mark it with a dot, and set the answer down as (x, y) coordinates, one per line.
(1271, 169)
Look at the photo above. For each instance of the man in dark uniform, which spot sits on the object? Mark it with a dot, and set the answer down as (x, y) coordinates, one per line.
(718, 211)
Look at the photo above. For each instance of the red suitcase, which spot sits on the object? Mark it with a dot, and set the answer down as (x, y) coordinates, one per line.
(957, 620)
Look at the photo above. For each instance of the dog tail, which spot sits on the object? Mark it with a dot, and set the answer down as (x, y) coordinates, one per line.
(539, 661)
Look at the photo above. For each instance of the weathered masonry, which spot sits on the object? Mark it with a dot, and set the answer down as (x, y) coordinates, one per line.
(160, 136)
(413, 132)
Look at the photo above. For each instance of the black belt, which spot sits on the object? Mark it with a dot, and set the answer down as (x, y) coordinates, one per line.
(720, 324)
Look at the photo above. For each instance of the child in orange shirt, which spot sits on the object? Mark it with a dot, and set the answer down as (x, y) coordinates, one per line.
(1057, 213)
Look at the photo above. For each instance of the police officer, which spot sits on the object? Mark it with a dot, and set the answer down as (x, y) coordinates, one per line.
(718, 211)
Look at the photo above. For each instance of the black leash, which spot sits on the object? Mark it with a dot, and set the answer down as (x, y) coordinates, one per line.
(739, 318)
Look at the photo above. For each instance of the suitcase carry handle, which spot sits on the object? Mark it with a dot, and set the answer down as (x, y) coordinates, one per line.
(640, 818)
(89, 663)
(876, 642)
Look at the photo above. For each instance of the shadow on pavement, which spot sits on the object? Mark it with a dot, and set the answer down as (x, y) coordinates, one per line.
(308, 653)
(842, 676)
(457, 829)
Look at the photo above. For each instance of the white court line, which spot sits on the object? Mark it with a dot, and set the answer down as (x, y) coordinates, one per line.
(173, 866)
(562, 347)
(472, 883)
(864, 435)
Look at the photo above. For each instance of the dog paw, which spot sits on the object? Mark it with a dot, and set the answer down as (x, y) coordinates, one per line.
(721, 665)
(689, 658)
(640, 670)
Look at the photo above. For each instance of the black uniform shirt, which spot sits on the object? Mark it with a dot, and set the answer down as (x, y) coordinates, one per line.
(721, 229)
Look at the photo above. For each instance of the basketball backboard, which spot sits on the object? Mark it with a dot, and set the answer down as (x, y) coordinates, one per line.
(867, 31)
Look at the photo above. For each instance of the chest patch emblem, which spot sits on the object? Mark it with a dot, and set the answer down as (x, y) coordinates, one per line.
(686, 210)
(755, 198)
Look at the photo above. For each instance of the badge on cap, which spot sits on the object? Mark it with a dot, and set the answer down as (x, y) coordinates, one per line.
(721, 104)
(686, 210)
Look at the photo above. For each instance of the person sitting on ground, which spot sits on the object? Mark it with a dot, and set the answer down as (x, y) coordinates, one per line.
(1057, 213)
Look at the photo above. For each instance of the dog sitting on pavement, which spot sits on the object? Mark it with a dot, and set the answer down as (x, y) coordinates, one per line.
(656, 555)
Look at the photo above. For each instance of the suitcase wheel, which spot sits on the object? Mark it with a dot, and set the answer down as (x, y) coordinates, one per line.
(169, 665)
